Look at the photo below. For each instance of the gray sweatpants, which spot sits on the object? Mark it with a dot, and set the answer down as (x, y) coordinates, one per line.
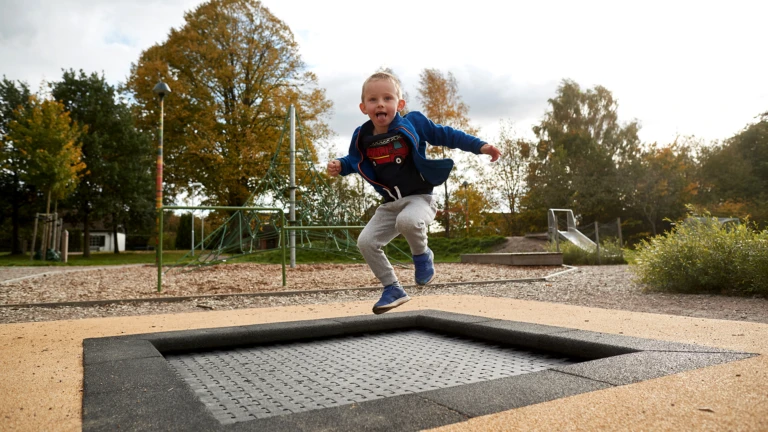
(409, 216)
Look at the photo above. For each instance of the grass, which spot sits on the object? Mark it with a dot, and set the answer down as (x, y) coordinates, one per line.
(446, 250)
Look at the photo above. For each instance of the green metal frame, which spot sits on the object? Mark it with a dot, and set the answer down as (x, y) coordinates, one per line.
(160, 242)
(283, 233)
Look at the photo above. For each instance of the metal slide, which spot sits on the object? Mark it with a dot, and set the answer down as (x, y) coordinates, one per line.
(572, 234)
(576, 237)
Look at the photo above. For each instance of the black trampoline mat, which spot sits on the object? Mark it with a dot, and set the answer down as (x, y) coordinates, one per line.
(264, 381)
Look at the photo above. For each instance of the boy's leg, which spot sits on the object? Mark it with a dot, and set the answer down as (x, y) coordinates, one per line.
(418, 211)
(412, 221)
(379, 231)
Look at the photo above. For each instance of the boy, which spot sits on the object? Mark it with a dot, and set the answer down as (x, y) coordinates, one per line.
(389, 151)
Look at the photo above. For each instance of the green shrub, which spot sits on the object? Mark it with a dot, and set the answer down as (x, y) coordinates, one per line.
(610, 253)
(704, 256)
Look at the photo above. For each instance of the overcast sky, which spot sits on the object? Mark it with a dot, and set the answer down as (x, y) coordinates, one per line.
(678, 67)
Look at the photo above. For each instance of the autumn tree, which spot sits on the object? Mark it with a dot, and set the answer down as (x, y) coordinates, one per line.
(16, 195)
(734, 174)
(468, 206)
(48, 142)
(118, 183)
(581, 151)
(233, 69)
(664, 183)
(505, 179)
(441, 102)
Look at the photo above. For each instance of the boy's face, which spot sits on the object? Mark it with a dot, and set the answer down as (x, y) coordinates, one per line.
(381, 103)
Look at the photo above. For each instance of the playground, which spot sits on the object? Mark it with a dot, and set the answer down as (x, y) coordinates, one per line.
(96, 348)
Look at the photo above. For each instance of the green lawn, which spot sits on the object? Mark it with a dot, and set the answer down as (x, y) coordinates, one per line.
(446, 250)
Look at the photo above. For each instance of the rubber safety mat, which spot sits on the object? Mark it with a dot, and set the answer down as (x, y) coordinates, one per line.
(253, 383)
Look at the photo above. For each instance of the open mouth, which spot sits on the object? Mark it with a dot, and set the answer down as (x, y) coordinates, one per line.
(381, 115)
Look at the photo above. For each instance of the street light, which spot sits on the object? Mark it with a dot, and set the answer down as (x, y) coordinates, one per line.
(465, 185)
(161, 89)
(192, 213)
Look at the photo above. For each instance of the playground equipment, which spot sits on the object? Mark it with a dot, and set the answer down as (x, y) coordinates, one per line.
(283, 213)
(571, 233)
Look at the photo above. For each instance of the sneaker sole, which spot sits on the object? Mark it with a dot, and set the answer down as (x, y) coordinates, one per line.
(428, 281)
(381, 309)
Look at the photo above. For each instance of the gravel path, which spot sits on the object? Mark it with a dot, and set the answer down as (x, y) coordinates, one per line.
(608, 287)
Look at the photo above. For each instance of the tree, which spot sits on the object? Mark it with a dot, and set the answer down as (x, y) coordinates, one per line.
(734, 174)
(441, 102)
(506, 178)
(467, 206)
(581, 152)
(49, 146)
(118, 182)
(16, 195)
(184, 232)
(664, 184)
(234, 70)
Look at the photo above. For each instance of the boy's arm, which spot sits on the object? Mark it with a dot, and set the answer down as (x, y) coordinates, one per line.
(347, 164)
(492, 151)
(446, 136)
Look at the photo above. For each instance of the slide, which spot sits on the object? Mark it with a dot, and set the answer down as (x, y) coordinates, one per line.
(572, 234)
(576, 237)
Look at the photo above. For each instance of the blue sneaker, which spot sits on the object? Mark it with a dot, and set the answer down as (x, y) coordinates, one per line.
(425, 268)
(392, 297)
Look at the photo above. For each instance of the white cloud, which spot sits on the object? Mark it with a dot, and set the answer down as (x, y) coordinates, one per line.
(682, 67)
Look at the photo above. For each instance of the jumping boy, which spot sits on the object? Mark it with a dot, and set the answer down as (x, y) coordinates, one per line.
(389, 151)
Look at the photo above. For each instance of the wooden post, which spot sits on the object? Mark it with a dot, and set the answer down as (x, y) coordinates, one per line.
(597, 242)
(46, 236)
(65, 245)
(34, 236)
(621, 242)
(56, 243)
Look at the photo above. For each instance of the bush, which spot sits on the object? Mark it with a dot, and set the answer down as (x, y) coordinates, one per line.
(610, 253)
(704, 256)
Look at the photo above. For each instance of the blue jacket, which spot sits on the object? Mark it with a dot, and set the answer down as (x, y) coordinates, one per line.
(418, 130)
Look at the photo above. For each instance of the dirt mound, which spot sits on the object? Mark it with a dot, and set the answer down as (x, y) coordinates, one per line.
(522, 244)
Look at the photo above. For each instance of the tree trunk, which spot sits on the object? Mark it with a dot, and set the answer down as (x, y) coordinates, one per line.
(114, 233)
(447, 213)
(46, 227)
(86, 233)
(48, 203)
(15, 218)
(15, 223)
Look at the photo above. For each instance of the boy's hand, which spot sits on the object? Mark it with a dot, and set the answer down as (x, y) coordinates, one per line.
(491, 150)
(334, 168)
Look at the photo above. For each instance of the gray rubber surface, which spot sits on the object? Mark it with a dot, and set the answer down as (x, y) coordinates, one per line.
(254, 383)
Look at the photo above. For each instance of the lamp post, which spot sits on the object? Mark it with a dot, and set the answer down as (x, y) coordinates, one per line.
(160, 89)
(465, 185)
(192, 214)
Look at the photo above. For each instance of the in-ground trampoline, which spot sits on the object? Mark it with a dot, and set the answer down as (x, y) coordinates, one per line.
(399, 371)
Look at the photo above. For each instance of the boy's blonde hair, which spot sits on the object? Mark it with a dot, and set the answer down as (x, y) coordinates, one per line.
(383, 76)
